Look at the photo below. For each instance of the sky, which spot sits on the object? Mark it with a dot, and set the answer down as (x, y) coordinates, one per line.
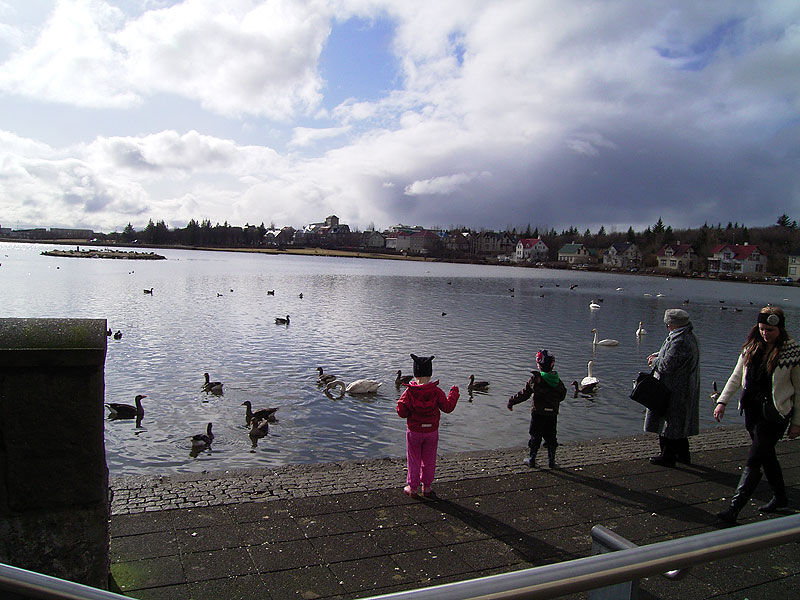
(487, 114)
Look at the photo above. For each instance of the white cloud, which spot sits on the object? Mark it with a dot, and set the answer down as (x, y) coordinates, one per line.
(446, 184)
(306, 136)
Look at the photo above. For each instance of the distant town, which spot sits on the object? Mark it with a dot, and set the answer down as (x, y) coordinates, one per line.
(732, 251)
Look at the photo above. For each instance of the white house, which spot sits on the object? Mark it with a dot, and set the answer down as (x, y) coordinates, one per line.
(737, 259)
(531, 250)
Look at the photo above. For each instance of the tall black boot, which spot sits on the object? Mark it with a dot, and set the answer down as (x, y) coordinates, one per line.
(531, 460)
(551, 457)
(747, 485)
(682, 454)
(775, 478)
(667, 456)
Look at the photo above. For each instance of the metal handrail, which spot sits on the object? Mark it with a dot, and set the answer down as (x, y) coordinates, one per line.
(47, 587)
(583, 574)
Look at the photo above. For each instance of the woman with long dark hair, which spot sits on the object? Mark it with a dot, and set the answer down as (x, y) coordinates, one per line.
(768, 370)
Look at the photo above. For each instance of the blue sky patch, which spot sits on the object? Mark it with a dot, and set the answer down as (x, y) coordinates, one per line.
(701, 52)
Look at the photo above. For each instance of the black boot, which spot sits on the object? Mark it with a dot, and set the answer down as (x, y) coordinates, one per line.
(777, 502)
(667, 456)
(775, 478)
(551, 457)
(682, 454)
(531, 460)
(747, 484)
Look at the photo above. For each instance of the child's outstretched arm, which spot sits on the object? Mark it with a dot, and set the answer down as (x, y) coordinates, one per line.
(521, 395)
(403, 410)
(449, 403)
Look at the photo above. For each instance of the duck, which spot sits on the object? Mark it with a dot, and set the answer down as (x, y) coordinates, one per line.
(324, 377)
(270, 292)
(203, 440)
(266, 414)
(150, 291)
(215, 387)
(590, 379)
(109, 333)
(118, 335)
(715, 394)
(259, 429)
(604, 342)
(126, 411)
(281, 320)
(593, 305)
(641, 330)
(477, 385)
(401, 379)
(584, 389)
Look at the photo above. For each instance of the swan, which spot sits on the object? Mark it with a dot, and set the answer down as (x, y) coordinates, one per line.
(400, 379)
(203, 440)
(126, 411)
(281, 320)
(477, 385)
(641, 331)
(215, 387)
(605, 342)
(715, 394)
(260, 414)
(594, 305)
(259, 429)
(324, 378)
(359, 386)
(589, 379)
(584, 389)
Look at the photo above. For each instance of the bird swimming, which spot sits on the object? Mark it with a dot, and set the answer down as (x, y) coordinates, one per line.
(118, 335)
(126, 411)
(604, 342)
(150, 291)
(400, 379)
(641, 330)
(477, 385)
(584, 389)
(590, 379)
(270, 292)
(215, 387)
(281, 320)
(324, 377)
(203, 440)
(259, 429)
(359, 386)
(265, 414)
(594, 305)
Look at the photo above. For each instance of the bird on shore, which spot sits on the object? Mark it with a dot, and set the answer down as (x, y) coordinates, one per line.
(215, 387)
(281, 320)
(603, 342)
(477, 386)
(401, 379)
(203, 440)
(126, 411)
(323, 377)
(150, 291)
(265, 414)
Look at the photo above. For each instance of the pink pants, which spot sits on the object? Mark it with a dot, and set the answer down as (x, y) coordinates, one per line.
(421, 457)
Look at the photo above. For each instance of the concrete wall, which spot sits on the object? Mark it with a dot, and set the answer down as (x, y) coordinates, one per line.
(54, 508)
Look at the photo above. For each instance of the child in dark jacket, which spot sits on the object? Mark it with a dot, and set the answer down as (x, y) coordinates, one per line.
(547, 392)
(420, 404)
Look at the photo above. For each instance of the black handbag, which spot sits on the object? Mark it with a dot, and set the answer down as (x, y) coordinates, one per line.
(651, 393)
(770, 413)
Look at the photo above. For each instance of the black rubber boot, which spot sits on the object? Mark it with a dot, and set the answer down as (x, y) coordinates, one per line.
(776, 503)
(747, 484)
(667, 456)
(682, 454)
(531, 460)
(774, 476)
(551, 457)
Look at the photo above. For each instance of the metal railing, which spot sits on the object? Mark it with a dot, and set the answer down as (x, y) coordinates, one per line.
(46, 587)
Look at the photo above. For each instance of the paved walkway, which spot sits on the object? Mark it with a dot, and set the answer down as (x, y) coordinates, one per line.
(346, 530)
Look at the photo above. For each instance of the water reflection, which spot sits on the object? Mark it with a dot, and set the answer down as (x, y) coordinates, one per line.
(361, 319)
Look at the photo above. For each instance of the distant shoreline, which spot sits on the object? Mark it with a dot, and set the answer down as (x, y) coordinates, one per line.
(105, 253)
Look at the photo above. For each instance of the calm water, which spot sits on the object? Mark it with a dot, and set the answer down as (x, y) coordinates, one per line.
(361, 318)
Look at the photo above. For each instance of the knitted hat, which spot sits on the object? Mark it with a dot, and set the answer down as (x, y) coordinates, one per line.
(545, 360)
(423, 366)
(676, 317)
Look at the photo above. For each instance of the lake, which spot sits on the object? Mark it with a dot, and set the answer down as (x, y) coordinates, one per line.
(361, 318)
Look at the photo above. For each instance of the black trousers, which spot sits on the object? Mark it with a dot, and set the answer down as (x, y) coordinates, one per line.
(543, 427)
(765, 436)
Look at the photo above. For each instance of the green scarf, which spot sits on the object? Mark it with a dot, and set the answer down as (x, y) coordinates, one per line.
(550, 378)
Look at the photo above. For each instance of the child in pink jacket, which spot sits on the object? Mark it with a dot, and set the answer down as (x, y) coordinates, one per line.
(421, 404)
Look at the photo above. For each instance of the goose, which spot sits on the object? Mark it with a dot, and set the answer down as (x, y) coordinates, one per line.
(203, 440)
(281, 320)
(594, 305)
(605, 342)
(400, 379)
(584, 389)
(150, 291)
(259, 429)
(477, 385)
(641, 330)
(118, 335)
(260, 414)
(215, 387)
(126, 411)
(589, 379)
(715, 394)
(324, 377)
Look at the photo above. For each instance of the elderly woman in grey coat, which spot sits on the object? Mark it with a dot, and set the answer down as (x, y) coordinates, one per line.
(678, 366)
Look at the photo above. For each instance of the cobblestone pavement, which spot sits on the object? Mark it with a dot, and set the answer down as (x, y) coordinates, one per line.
(132, 494)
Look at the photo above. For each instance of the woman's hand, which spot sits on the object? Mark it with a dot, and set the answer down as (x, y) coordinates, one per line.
(650, 359)
(794, 431)
(719, 412)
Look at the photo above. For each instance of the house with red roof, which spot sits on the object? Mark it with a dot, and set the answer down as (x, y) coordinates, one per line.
(737, 259)
(677, 257)
(531, 250)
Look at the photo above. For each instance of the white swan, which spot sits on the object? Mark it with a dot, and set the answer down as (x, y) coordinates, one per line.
(593, 305)
(641, 331)
(605, 342)
(359, 386)
(589, 380)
